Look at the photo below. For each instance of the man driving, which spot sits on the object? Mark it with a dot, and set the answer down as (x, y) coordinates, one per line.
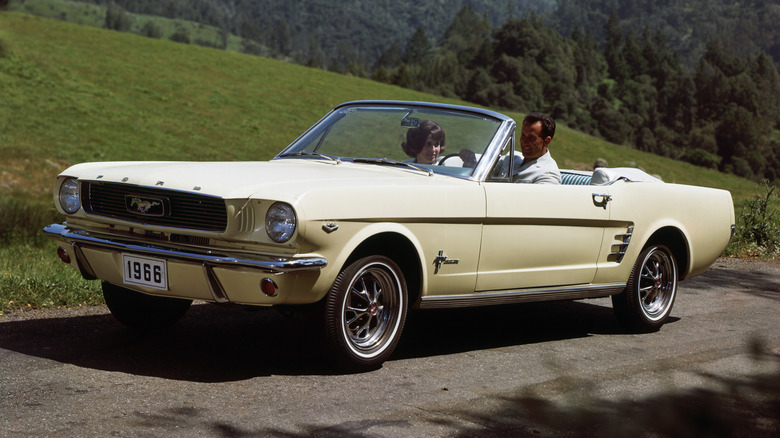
(537, 166)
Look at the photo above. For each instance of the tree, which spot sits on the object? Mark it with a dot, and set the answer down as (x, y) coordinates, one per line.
(280, 39)
(315, 56)
(509, 39)
(466, 35)
(611, 122)
(632, 55)
(151, 30)
(181, 35)
(735, 133)
(390, 58)
(479, 82)
(613, 52)
(117, 19)
(767, 81)
(709, 85)
(418, 49)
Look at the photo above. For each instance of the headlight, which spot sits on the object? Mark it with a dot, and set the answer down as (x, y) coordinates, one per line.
(69, 195)
(280, 222)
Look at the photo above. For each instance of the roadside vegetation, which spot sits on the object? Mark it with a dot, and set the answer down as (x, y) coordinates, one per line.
(31, 275)
(73, 93)
(758, 226)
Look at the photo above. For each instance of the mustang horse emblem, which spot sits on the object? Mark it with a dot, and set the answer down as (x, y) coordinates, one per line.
(142, 205)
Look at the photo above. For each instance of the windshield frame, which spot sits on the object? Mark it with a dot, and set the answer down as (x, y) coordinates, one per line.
(504, 131)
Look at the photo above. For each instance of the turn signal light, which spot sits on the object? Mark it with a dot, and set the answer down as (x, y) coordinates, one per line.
(63, 255)
(269, 287)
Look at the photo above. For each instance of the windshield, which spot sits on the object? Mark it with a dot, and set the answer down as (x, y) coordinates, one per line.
(426, 138)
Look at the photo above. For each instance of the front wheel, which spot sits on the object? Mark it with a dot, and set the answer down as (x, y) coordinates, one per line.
(646, 303)
(365, 312)
(143, 311)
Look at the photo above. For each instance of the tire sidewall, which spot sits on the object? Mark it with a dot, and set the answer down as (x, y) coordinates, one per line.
(639, 317)
(344, 350)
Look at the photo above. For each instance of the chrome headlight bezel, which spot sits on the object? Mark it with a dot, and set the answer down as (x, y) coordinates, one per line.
(69, 195)
(280, 222)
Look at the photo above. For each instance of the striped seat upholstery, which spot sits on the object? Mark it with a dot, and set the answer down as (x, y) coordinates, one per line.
(574, 179)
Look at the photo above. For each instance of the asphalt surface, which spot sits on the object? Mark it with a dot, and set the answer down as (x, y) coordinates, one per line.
(546, 369)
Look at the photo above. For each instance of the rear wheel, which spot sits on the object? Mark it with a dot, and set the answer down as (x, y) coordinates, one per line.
(365, 312)
(646, 303)
(142, 311)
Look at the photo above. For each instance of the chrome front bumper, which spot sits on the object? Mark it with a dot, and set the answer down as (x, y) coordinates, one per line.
(208, 260)
(79, 238)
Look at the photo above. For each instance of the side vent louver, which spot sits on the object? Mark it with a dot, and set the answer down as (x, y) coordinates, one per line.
(619, 249)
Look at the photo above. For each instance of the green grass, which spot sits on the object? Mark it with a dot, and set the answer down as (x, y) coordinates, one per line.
(72, 93)
(49, 283)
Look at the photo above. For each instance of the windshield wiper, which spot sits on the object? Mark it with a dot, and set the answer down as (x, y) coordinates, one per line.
(333, 158)
(393, 163)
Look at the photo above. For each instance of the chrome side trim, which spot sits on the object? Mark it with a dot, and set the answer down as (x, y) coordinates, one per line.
(267, 264)
(520, 296)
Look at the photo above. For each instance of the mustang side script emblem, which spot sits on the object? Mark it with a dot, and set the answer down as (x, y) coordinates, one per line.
(144, 206)
(442, 259)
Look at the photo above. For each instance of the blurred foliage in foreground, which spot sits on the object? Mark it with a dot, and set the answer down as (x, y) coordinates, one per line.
(726, 407)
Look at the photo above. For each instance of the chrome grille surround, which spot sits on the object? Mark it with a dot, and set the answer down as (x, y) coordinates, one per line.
(183, 209)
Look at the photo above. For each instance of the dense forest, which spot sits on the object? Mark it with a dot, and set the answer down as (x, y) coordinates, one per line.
(695, 80)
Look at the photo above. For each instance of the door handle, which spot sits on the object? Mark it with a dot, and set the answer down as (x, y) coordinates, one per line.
(604, 199)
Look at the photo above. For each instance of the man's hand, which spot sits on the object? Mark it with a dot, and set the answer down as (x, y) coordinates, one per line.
(468, 157)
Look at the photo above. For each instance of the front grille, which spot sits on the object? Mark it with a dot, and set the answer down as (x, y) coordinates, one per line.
(173, 208)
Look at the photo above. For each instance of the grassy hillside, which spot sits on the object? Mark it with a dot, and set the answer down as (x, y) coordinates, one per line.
(75, 93)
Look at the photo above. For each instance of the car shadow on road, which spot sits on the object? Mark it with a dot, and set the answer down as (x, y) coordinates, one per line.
(215, 344)
(448, 331)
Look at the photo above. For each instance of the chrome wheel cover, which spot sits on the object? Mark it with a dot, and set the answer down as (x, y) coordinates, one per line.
(370, 311)
(657, 284)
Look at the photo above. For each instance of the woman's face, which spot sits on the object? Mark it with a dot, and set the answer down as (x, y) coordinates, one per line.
(429, 152)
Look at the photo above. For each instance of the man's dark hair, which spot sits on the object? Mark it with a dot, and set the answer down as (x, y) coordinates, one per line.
(548, 124)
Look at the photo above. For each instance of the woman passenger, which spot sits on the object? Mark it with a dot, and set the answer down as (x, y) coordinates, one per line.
(424, 143)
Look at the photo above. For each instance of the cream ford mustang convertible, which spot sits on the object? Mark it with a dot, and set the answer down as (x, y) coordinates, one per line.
(345, 222)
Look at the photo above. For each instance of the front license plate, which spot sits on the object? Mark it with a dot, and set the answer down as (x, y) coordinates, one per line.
(145, 271)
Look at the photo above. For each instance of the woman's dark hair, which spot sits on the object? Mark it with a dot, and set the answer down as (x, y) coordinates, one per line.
(548, 124)
(416, 137)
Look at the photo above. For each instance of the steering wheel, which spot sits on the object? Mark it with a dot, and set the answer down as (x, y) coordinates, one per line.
(446, 157)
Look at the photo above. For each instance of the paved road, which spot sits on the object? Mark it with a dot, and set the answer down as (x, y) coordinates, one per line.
(545, 369)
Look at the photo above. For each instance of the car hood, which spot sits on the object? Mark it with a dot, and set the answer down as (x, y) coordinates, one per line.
(286, 179)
